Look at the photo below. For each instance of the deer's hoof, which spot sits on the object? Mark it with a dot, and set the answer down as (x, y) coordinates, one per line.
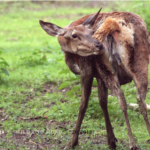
(112, 143)
(134, 147)
(70, 145)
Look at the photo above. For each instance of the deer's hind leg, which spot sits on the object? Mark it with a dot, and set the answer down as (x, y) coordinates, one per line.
(141, 81)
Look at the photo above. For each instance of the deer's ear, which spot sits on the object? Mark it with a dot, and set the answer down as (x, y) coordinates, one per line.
(52, 29)
(91, 20)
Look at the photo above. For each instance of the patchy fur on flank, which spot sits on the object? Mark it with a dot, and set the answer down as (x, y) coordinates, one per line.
(111, 25)
(125, 36)
(107, 27)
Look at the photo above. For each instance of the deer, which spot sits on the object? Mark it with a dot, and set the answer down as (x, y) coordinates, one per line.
(114, 48)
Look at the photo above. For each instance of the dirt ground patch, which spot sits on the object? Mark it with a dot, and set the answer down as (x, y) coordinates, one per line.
(50, 140)
(52, 87)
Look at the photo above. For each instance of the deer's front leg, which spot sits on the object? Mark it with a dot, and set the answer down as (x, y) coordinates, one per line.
(103, 95)
(111, 81)
(86, 84)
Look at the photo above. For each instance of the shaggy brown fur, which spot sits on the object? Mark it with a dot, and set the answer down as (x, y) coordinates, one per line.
(109, 26)
(132, 39)
(129, 41)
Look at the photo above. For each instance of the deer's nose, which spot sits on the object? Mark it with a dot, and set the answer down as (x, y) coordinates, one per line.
(99, 46)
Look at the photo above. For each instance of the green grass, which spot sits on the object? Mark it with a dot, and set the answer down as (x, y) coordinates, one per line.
(35, 67)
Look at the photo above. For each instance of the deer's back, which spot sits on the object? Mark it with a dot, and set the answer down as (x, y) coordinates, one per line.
(133, 45)
(140, 33)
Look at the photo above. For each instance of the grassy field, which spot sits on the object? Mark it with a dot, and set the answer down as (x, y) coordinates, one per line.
(34, 113)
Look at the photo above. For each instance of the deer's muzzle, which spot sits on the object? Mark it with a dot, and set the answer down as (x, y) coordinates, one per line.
(99, 46)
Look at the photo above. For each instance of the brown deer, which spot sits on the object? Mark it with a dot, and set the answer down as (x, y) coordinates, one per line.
(113, 47)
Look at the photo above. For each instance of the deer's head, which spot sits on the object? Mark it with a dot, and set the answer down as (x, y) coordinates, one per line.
(76, 39)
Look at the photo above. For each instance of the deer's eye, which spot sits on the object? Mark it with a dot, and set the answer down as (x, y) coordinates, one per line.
(74, 36)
